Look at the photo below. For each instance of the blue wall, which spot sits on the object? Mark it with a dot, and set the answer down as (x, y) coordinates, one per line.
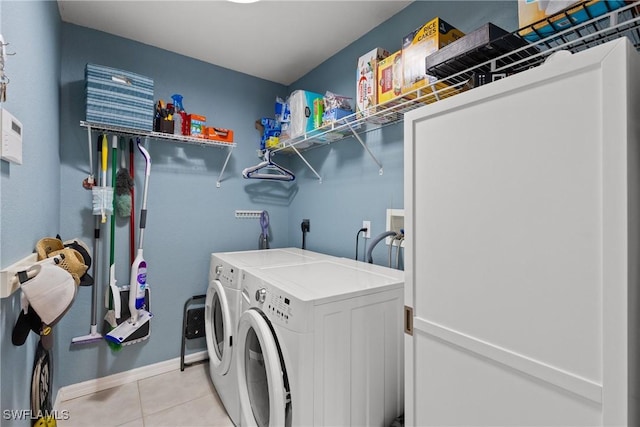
(188, 216)
(352, 190)
(29, 192)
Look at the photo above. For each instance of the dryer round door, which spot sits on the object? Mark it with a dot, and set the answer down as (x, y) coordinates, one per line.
(261, 385)
(218, 328)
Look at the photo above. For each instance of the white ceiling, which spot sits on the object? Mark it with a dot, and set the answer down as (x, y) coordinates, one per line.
(278, 41)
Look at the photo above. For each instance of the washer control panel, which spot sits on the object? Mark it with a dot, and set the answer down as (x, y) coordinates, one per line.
(226, 275)
(279, 306)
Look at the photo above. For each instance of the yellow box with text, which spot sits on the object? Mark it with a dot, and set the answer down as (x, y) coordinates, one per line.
(420, 43)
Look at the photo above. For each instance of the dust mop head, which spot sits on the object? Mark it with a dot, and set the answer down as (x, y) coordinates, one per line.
(102, 200)
(124, 185)
(124, 182)
(123, 205)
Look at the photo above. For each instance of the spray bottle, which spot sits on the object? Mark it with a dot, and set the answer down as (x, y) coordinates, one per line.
(178, 117)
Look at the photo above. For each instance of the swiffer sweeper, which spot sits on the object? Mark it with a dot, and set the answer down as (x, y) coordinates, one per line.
(138, 278)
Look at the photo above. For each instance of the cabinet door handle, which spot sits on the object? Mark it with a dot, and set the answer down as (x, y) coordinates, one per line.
(408, 320)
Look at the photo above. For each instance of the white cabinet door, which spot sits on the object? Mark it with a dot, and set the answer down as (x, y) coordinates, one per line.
(518, 209)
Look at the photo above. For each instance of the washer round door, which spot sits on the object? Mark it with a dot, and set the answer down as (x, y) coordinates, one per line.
(261, 385)
(218, 328)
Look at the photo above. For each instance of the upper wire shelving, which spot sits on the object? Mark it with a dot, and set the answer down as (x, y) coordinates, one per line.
(122, 131)
(503, 56)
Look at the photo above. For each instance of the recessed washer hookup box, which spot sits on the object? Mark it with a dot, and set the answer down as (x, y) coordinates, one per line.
(119, 98)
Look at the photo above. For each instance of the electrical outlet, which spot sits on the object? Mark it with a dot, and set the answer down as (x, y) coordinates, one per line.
(367, 225)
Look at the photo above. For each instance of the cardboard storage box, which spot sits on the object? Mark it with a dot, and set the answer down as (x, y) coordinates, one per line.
(334, 114)
(196, 124)
(367, 81)
(556, 15)
(118, 98)
(390, 87)
(420, 43)
(218, 134)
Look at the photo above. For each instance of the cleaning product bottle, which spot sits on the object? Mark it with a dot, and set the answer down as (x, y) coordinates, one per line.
(138, 283)
(177, 116)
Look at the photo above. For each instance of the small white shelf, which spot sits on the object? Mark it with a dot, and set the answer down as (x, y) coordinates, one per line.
(7, 275)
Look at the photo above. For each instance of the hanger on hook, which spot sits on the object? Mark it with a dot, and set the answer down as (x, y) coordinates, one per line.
(4, 80)
(270, 170)
(3, 49)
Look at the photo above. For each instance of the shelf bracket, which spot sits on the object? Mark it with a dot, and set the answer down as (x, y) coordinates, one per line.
(8, 276)
(224, 166)
(357, 137)
(307, 163)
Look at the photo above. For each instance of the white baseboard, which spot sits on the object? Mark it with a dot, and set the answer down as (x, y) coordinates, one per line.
(92, 386)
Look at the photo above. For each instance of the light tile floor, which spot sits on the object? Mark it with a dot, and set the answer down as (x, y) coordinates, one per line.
(175, 399)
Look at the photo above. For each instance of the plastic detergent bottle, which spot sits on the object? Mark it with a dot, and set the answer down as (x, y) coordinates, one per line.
(177, 117)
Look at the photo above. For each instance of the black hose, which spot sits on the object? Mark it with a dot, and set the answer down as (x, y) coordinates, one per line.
(357, 236)
(305, 227)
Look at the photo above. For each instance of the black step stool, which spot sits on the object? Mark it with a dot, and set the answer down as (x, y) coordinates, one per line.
(192, 327)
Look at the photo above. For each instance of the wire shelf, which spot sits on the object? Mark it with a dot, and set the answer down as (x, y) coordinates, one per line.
(504, 55)
(122, 131)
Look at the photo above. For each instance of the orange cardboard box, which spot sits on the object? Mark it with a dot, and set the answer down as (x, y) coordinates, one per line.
(195, 124)
(197, 117)
(219, 134)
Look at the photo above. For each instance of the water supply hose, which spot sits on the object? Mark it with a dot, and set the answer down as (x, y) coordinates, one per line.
(391, 248)
(400, 240)
(374, 242)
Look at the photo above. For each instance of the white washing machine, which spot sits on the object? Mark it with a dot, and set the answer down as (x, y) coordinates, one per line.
(321, 344)
(222, 312)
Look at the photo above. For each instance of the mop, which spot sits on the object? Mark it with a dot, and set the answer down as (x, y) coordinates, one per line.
(94, 335)
(138, 278)
(132, 219)
(114, 302)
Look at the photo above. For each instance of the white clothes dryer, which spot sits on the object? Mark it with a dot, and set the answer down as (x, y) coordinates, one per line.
(222, 312)
(321, 344)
